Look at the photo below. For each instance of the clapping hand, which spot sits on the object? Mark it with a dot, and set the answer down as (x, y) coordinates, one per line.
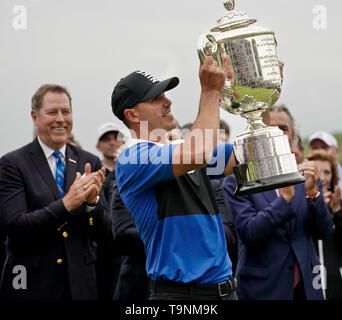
(333, 199)
(311, 174)
(84, 188)
(96, 185)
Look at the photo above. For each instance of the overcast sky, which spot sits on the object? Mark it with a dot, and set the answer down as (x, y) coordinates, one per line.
(89, 45)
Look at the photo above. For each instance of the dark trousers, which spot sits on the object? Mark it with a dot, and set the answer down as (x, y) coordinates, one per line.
(299, 292)
(132, 287)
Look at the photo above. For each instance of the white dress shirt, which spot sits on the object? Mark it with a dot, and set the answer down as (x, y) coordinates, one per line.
(51, 159)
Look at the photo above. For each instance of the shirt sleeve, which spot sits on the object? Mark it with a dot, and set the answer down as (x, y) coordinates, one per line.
(219, 160)
(144, 165)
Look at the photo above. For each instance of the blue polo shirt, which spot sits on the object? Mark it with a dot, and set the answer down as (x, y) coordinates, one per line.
(177, 217)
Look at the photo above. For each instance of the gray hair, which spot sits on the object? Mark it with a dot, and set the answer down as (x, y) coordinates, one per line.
(283, 108)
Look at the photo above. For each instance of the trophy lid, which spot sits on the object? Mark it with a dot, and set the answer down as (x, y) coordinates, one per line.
(233, 19)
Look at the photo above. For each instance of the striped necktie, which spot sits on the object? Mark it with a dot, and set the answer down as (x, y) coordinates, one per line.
(60, 172)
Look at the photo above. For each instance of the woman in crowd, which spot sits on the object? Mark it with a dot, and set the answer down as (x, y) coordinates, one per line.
(330, 250)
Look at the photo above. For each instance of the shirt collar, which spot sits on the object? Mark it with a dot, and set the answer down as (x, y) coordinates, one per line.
(48, 151)
(131, 142)
(107, 167)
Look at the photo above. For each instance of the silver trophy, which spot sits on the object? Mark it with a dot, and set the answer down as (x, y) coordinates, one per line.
(263, 154)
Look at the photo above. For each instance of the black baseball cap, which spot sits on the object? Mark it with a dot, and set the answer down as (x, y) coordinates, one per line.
(137, 87)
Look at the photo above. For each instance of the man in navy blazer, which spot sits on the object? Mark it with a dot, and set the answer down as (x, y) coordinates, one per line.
(50, 231)
(273, 234)
(277, 258)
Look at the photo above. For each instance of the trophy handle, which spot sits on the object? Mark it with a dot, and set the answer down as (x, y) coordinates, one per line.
(208, 46)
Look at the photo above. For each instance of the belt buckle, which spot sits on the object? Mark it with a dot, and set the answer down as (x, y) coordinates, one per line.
(220, 291)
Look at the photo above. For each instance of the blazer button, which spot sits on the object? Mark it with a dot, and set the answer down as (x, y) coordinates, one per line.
(91, 221)
(65, 234)
(59, 261)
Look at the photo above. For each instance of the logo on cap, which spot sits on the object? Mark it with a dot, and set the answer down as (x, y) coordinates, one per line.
(147, 76)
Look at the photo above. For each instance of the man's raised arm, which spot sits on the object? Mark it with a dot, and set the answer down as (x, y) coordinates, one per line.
(199, 145)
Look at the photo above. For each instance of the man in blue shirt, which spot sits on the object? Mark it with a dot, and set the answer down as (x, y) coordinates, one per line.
(166, 188)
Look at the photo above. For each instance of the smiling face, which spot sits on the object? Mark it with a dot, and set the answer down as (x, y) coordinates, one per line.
(157, 112)
(53, 121)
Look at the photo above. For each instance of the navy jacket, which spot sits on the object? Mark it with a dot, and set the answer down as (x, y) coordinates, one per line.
(54, 245)
(273, 234)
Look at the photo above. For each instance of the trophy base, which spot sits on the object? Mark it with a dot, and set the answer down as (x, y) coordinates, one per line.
(265, 184)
